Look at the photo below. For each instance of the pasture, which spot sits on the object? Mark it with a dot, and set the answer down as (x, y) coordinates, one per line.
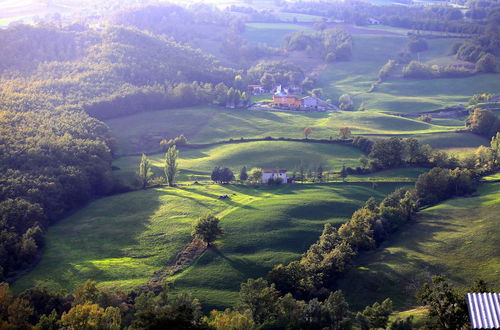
(121, 240)
(271, 34)
(371, 52)
(142, 132)
(458, 238)
(198, 164)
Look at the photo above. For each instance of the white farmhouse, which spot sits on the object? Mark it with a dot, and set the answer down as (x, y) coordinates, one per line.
(275, 174)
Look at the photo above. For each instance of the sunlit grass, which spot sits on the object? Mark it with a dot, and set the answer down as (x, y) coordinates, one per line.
(458, 238)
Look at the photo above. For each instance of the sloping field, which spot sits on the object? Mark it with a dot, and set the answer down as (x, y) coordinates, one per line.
(458, 238)
(265, 154)
(371, 52)
(121, 240)
(143, 132)
(271, 34)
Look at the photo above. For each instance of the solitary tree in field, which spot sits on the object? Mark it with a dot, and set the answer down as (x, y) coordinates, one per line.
(171, 165)
(207, 228)
(344, 132)
(144, 171)
(243, 174)
(307, 132)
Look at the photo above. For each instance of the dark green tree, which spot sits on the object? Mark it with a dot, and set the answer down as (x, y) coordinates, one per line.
(207, 229)
(243, 174)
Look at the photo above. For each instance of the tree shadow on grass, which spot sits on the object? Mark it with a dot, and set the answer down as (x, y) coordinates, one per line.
(214, 196)
(246, 268)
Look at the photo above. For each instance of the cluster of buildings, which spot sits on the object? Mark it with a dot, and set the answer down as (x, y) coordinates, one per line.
(286, 98)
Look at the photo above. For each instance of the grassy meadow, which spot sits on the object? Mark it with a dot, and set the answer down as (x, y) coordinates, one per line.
(271, 34)
(142, 132)
(458, 238)
(265, 154)
(371, 52)
(121, 240)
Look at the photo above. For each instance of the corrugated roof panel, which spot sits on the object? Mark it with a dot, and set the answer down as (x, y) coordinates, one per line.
(484, 310)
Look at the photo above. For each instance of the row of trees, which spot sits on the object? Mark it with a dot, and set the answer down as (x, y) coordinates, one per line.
(260, 305)
(170, 169)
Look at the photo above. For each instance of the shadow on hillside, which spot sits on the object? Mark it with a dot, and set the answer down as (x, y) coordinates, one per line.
(245, 267)
(214, 196)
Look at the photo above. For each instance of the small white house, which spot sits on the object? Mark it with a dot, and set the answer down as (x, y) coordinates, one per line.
(275, 174)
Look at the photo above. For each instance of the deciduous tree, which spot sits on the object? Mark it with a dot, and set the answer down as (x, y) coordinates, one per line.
(207, 229)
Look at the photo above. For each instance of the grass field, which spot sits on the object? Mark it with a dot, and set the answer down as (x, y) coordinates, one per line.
(143, 132)
(458, 238)
(265, 154)
(120, 240)
(271, 34)
(370, 52)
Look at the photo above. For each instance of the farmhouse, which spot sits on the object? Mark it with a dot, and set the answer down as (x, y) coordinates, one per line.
(274, 174)
(282, 99)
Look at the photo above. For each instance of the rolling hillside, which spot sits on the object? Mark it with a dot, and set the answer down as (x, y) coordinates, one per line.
(121, 240)
(458, 238)
(143, 132)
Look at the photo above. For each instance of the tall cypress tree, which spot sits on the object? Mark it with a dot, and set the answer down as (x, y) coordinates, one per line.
(171, 165)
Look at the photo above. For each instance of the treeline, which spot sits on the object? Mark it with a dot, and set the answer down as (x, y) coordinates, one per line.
(417, 17)
(396, 152)
(259, 306)
(329, 44)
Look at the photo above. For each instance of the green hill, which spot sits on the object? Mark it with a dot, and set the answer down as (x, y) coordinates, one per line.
(143, 132)
(121, 240)
(458, 238)
(371, 52)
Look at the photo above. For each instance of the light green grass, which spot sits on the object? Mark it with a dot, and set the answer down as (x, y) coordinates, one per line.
(271, 34)
(121, 240)
(265, 154)
(275, 229)
(458, 238)
(143, 132)
(399, 95)
(493, 177)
